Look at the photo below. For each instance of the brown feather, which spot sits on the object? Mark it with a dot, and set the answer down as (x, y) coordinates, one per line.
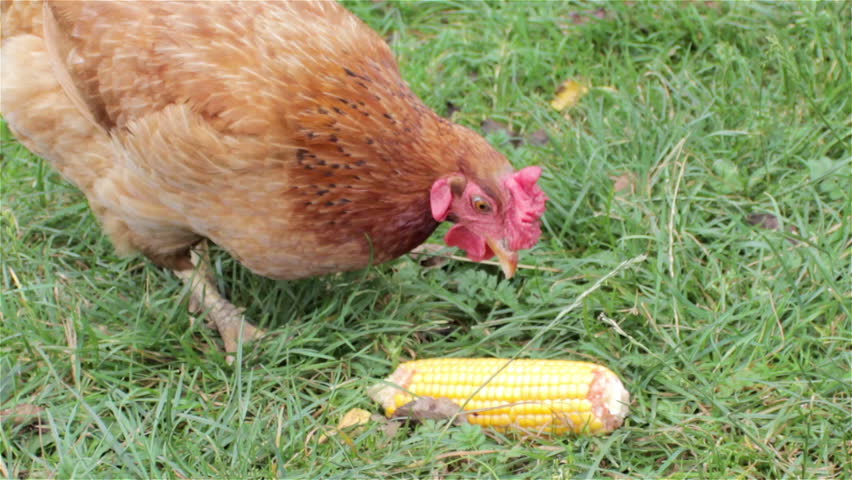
(282, 131)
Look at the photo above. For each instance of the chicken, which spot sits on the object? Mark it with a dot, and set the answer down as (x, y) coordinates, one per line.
(281, 131)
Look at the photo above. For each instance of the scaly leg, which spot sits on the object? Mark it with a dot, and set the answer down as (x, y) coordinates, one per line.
(205, 297)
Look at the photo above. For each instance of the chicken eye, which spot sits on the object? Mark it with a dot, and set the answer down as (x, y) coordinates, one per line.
(480, 204)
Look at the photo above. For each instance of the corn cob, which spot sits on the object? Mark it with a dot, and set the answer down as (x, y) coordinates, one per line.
(548, 396)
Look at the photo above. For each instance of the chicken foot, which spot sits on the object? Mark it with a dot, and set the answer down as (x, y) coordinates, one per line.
(205, 298)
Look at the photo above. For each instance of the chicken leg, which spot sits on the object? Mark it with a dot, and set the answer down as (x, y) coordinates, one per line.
(205, 298)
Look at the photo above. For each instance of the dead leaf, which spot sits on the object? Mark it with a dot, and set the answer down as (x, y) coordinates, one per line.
(626, 182)
(352, 418)
(390, 427)
(429, 257)
(763, 220)
(568, 94)
(356, 416)
(431, 408)
(582, 18)
(770, 222)
(21, 414)
(489, 125)
(434, 262)
(538, 138)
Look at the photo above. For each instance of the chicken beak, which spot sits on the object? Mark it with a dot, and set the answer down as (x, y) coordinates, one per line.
(508, 258)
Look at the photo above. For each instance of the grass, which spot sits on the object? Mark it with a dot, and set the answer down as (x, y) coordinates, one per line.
(733, 339)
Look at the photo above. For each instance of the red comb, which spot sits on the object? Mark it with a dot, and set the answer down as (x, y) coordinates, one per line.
(527, 206)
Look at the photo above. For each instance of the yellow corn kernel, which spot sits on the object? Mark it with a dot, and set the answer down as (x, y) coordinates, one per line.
(550, 396)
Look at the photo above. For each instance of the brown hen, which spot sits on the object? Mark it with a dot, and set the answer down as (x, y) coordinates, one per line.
(281, 131)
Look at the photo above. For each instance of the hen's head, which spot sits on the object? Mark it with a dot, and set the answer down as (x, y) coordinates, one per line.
(491, 221)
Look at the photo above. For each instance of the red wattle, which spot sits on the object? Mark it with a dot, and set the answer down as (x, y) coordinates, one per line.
(475, 246)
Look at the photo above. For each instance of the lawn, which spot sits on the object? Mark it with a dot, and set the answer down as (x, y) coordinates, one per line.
(697, 242)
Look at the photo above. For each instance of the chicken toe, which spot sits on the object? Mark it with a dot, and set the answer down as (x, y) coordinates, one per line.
(205, 298)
